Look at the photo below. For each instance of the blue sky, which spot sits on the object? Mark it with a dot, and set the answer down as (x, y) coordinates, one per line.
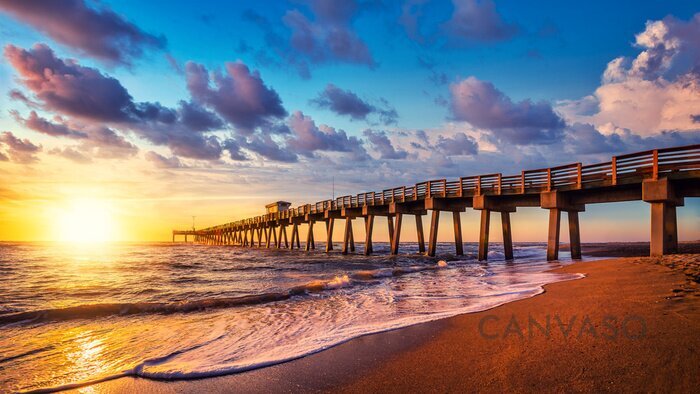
(560, 52)
(364, 91)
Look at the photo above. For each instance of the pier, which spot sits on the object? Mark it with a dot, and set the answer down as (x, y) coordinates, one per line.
(661, 177)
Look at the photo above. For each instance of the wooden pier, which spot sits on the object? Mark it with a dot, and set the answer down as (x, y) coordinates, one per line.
(661, 177)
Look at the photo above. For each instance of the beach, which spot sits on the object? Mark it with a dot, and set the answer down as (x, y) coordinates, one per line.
(630, 325)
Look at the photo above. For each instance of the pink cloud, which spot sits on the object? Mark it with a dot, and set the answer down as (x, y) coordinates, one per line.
(97, 32)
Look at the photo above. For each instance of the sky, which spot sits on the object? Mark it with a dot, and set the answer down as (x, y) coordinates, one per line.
(150, 113)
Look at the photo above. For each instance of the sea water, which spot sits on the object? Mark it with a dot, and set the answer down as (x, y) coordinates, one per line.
(73, 314)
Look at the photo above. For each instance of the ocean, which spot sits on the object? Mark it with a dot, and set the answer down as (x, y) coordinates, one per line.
(72, 314)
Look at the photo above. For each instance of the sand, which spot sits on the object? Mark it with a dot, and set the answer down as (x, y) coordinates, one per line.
(653, 305)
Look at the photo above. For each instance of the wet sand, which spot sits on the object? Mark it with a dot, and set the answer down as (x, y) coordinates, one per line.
(633, 325)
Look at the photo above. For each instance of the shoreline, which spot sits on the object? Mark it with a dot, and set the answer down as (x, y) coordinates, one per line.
(452, 354)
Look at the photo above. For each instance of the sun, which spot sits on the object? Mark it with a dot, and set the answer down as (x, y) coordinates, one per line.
(86, 221)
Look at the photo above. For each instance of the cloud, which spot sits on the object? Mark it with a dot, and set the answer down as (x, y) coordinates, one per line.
(458, 145)
(20, 151)
(381, 143)
(670, 47)
(329, 37)
(347, 103)
(97, 32)
(70, 89)
(411, 11)
(307, 138)
(476, 21)
(37, 123)
(266, 147)
(197, 118)
(96, 140)
(436, 77)
(657, 90)
(239, 96)
(521, 123)
(325, 36)
(161, 161)
(107, 144)
(586, 139)
(174, 64)
(16, 95)
(275, 43)
(72, 154)
(234, 150)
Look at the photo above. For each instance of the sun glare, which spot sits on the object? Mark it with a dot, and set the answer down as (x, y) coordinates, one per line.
(86, 221)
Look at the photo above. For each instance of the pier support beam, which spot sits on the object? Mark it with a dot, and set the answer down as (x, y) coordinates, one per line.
(347, 236)
(310, 237)
(664, 229)
(457, 222)
(369, 224)
(352, 241)
(282, 234)
(661, 194)
(390, 227)
(432, 240)
(553, 234)
(329, 234)
(507, 236)
(396, 239)
(487, 204)
(419, 233)
(295, 236)
(556, 202)
(484, 234)
(574, 235)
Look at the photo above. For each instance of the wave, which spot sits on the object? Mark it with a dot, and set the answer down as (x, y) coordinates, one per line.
(92, 311)
(142, 370)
